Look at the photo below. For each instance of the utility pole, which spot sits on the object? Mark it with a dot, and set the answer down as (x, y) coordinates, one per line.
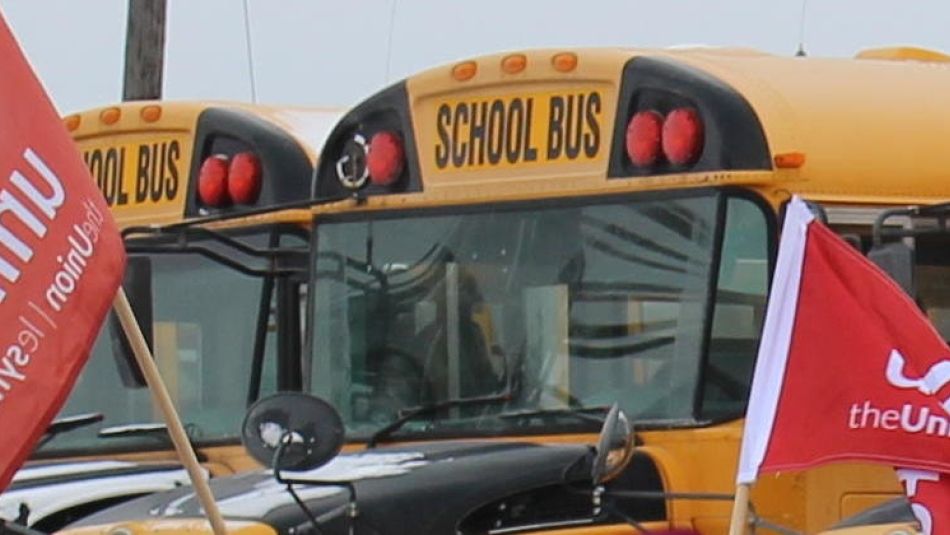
(144, 50)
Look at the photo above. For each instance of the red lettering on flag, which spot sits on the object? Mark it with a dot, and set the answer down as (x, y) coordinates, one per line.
(61, 260)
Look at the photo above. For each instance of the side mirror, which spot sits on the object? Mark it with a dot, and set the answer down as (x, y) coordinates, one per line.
(897, 260)
(292, 431)
(137, 284)
(614, 447)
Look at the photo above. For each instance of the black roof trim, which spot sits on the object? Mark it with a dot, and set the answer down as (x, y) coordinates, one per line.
(734, 137)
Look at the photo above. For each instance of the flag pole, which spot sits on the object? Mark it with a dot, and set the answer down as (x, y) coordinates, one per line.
(740, 510)
(160, 394)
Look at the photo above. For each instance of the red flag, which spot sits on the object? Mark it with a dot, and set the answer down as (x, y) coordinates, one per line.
(848, 367)
(929, 495)
(61, 259)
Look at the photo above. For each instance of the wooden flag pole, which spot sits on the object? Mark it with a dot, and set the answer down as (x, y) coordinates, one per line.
(740, 511)
(160, 394)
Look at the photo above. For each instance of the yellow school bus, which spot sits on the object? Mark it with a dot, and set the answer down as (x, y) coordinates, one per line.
(510, 244)
(223, 314)
(598, 225)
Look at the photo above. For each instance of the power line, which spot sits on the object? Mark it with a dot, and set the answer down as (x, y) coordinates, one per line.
(389, 44)
(250, 52)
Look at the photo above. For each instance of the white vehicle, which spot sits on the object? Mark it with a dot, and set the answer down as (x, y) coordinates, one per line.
(47, 496)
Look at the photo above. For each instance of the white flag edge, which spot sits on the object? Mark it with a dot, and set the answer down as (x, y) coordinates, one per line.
(776, 337)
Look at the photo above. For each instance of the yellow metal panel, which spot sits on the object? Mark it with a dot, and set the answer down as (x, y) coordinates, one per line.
(613, 529)
(829, 485)
(183, 526)
(572, 109)
(904, 53)
(869, 129)
(131, 156)
(852, 504)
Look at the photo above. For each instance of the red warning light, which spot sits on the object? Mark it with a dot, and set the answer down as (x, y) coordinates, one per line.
(385, 158)
(643, 138)
(213, 181)
(244, 178)
(682, 136)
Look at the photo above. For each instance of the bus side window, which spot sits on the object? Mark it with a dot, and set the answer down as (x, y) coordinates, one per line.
(738, 312)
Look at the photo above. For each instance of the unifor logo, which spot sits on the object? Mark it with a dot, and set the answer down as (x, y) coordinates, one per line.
(909, 417)
(937, 377)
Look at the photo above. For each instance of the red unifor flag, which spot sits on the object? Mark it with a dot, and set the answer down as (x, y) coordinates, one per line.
(61, 260)
(848, 369)
(929, 495)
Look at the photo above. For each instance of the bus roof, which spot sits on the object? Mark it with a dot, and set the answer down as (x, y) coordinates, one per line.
(862, 130)
(869, 128)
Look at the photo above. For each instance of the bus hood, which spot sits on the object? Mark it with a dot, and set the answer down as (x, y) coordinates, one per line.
(41, 490)
(420, 489)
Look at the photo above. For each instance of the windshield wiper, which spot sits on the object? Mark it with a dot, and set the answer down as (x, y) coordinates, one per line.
(134, 430)
(69, 423)
(578, 413)
(158, 431)
(385, 432)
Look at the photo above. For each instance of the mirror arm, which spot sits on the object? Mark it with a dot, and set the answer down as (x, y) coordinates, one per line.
(350, 509)
(303, 507)
(878, 231)
(657, 494)
(276, 256)
(278, 453)
(185, 233)
(217, 257)
(939, 211)
(611, 508)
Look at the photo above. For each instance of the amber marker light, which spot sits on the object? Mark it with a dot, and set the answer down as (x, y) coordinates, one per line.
(110, 115)
(514, 63)
(789, 160)
(564, 61)
(72, 122)
(464, 71)
(151, 113)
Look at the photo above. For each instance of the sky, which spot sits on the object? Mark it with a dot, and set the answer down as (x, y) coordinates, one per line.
(322, 53)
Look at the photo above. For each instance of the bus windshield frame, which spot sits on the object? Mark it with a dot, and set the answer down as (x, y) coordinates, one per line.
(605, 336)
(187, 284)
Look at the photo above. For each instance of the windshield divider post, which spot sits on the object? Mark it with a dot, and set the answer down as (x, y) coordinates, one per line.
(712, 286)
(260, 332)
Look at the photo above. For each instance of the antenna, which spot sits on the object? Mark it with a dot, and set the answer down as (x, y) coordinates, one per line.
(389, 44)
(801, 32)
(250, 53)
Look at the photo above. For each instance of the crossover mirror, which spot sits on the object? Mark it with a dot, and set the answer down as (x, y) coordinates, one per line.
(292, 431)
(614, 447)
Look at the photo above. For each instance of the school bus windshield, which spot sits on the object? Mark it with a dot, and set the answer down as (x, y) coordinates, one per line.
(565, 306)
(205, 326)
(223, 336)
